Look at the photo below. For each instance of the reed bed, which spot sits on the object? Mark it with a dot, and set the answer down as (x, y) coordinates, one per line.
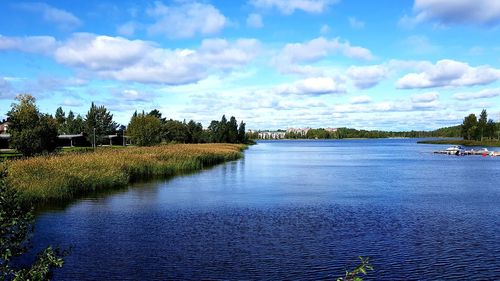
(62, 177)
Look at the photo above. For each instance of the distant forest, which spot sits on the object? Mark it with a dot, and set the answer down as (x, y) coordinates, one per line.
(343, 133)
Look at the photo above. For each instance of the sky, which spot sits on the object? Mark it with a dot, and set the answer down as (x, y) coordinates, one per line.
(276, 64)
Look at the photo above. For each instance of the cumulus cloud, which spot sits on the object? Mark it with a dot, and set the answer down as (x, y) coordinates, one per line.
(449, 73)
(255, 21)
(313, 86)
(141, 61)
(478, 12)
(316, 49)
(355, 23)
(186, 20)
(483, 94)
(365, 77)
(288, 7)
(63, 19)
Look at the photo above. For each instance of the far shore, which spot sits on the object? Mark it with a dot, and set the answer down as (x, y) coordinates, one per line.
(484, 143)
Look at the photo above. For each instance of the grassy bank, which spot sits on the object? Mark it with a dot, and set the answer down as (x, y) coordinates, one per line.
(62, 177)
(484, 143)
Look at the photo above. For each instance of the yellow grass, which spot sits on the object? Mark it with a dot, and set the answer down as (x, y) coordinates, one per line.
(62, 177)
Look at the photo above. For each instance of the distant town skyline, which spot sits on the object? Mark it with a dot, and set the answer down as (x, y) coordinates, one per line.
(276, 64)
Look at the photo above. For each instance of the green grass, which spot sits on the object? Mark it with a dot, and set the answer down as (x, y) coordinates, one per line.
(484, 143)
(64, 176)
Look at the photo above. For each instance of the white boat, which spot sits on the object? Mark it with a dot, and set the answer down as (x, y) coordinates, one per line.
(456, 149)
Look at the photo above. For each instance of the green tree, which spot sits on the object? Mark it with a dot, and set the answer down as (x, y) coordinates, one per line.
(31, 131)
(232, 130)
(214, 131)
(482, 122)
(176, 131)
(222, 132)
(242, 138)
(195, 132)
(60, 117)
(16, 225)
(469, 127)
(100, 121)
(144, 129)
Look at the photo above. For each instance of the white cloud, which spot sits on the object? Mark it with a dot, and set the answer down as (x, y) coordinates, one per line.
(288, 7)
(355, 23)
(186, 20)
(361, 99)
(255, 21)
(449, 73)
(29, 44)
(425, 97)
(313, 86)
(121, 59)
(483, 94)
(365, 77)
(479, 12)
(316, 49)
(63, 19)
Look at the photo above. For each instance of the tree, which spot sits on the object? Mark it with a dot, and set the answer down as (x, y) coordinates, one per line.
(16, 225)
(490, 129)
(195, 132)
(483, 120)
(232, 130)
(99, 121)
(176, 131)
(470, 127)
(144, 129)
(60, 117)
(31, 131)
(241, 133)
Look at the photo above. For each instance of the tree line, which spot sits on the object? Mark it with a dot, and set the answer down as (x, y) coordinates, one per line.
(33, 132)
(481, 128)
(151, 128)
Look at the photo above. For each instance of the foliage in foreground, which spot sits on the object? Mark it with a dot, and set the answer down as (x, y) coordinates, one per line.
(16, 225)
(61, 177)
(361, 269)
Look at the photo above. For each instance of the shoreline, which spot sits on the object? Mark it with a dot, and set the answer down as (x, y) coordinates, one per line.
(485, 143)
(62, 178)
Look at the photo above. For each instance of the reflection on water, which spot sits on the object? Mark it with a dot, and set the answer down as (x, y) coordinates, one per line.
(293, 210)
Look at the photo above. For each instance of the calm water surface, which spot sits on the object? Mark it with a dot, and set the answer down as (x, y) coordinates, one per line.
(293, 210)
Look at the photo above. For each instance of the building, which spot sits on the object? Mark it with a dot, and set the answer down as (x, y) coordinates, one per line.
(4, 127)
(298, 131)
(271, 135)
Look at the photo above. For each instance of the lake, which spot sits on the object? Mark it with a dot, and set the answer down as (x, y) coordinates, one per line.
(293, 210)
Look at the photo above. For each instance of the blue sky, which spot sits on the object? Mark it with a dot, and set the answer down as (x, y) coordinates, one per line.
(392, 65)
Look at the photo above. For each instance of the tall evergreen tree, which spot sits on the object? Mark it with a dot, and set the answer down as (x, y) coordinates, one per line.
(232, 130)
(241, 133)
(60, 117)
(99, 121)
(481, 124)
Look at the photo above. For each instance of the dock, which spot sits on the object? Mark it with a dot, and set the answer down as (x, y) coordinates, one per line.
(481, 152)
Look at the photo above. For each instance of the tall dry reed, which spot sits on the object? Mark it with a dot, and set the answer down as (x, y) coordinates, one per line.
(62, 177)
